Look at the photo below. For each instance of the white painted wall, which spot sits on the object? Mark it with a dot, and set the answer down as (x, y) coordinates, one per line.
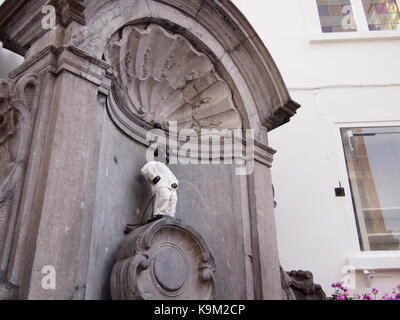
(339, 80)
(8, 61)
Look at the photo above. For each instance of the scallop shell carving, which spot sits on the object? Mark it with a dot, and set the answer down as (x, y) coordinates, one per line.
(160, 77)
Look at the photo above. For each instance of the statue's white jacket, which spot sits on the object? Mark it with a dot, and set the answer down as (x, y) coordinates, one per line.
(166, 196)
(152, 169)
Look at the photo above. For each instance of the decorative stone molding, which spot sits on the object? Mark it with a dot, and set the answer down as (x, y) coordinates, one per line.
(71, 59)
(16, 103)
(21, 21)
(263, 154)
(163, 260)
(15, 107)
(69, 10)
(281, 115)
(160, 76)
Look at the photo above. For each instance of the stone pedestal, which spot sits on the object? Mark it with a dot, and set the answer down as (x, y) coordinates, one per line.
(163, 260)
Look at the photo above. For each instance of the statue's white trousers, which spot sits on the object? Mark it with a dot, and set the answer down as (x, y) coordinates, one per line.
(165, 202)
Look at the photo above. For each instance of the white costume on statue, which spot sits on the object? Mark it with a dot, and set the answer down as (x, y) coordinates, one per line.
(166, 195)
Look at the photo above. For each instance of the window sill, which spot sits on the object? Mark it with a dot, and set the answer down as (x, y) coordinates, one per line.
(378, 260)
(353, 36)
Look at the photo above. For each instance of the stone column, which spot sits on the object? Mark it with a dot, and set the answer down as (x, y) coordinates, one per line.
(58, 201)
(63, 239)
(266, 266)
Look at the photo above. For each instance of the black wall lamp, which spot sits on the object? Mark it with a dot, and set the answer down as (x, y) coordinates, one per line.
(340, 191)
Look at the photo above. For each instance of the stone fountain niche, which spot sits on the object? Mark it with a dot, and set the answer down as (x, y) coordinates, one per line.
(159, 76)
(107, 73)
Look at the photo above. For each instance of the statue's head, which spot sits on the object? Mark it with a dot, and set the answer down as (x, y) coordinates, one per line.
(161, 154)
(158, 150)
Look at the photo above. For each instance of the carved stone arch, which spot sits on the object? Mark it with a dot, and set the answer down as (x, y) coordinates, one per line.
(240, 56)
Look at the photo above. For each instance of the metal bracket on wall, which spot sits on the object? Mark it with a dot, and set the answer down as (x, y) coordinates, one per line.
(340, 192)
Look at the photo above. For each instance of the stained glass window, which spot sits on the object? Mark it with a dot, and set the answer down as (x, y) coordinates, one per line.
(336, 16)
(382, 14)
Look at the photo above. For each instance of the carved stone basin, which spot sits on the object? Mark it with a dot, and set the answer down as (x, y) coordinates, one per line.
(163, 260)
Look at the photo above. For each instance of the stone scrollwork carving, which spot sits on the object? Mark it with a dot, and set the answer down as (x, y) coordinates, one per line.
(160, 76)
(299, 285)
(163, 260)
(16, 101)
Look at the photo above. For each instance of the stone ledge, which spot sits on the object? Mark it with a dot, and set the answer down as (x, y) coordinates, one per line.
(70, 59)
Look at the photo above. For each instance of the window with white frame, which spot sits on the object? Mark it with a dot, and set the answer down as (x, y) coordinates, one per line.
(373, 15)
(373, 163)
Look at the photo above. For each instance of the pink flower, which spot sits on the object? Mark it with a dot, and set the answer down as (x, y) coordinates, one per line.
(367, 297)
(342, 293)
(337, 285)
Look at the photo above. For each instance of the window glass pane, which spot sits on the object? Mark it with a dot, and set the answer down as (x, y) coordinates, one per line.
(382, 14)
(373, 164)
(336, 15)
